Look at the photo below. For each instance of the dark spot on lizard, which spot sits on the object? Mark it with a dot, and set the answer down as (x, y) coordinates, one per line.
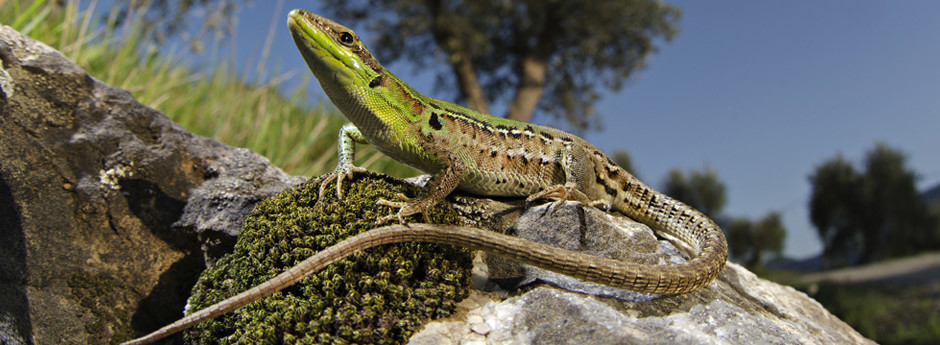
(612, 172)
(493, 154)
(434, 122)
(607, 189)
(375, 82)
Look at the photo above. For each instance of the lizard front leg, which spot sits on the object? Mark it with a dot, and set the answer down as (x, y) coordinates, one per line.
(437, 188)
(349, 135)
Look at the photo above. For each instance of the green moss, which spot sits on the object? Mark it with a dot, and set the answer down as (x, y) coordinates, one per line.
(378, 296)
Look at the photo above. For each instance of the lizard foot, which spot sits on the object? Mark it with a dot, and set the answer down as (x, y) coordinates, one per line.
(560, 194)
(405, 209)
(339, 175)
(601, 204)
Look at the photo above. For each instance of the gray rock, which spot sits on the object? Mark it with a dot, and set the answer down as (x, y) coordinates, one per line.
(91, 183)
(217, 208)
(586, 229)
(737, 308)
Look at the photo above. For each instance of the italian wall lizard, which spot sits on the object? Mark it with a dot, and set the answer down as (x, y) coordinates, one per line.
(484, 155)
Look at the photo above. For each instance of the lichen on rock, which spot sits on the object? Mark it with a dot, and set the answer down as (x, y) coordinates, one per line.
(381, 295)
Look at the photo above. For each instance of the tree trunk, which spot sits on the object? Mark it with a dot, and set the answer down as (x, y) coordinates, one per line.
(531, 87)
(468, 82)
(755, 259)
(458, 58)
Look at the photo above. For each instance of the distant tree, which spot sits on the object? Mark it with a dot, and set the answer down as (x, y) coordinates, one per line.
(833, 208)
(702, 190)
(518, 51)
(750, 241)
(896, 221)
(876, 214)
(625, 161)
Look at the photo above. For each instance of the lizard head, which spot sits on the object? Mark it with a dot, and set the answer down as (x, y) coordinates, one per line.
(370, 96)
(335, 55)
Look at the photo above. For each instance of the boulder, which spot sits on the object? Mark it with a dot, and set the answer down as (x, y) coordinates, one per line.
(105, 204)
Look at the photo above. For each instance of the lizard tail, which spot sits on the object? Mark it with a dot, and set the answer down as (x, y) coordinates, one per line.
(684, 226)
(632, 276)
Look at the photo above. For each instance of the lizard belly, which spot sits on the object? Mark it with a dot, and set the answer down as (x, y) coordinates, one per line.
(497, 183)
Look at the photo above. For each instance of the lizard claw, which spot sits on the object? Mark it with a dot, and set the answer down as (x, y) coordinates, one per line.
(601, 204)
(340, 174)
(560, 194)
(404, 209)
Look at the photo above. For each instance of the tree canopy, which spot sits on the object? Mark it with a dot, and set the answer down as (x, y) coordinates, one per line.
(750, 241)
(861, 216)
(551, 55)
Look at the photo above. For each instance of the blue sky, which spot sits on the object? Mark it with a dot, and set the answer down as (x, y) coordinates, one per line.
(762, 92)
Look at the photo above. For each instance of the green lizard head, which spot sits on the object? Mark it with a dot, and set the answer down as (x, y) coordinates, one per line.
(335, 55)
(373, 98)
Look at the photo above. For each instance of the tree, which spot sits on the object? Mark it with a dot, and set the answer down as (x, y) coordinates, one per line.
(750, 241)
(518, 51)
(834, 204)
(702, 190)
(896, 221)
(860, 217)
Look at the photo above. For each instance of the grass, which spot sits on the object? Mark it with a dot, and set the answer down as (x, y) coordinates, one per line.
(887, 314)
(295, 134)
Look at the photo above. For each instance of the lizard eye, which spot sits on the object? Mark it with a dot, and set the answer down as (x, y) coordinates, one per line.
(345, 38)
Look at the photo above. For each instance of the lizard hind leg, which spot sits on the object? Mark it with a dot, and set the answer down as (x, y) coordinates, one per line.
(560, 194)
(579, 173)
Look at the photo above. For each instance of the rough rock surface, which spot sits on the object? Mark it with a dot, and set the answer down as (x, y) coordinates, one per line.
(737, 308)
(91, 183)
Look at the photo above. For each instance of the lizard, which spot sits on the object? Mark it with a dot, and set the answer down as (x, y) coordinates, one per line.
(481, 154)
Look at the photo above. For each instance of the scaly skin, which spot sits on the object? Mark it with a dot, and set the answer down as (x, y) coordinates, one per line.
(480, 154)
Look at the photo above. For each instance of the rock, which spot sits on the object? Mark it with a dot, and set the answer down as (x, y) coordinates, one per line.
(584, 229)
(737, 308)
(91, 184)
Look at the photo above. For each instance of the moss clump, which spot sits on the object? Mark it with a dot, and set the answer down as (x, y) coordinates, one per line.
(378, 296)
